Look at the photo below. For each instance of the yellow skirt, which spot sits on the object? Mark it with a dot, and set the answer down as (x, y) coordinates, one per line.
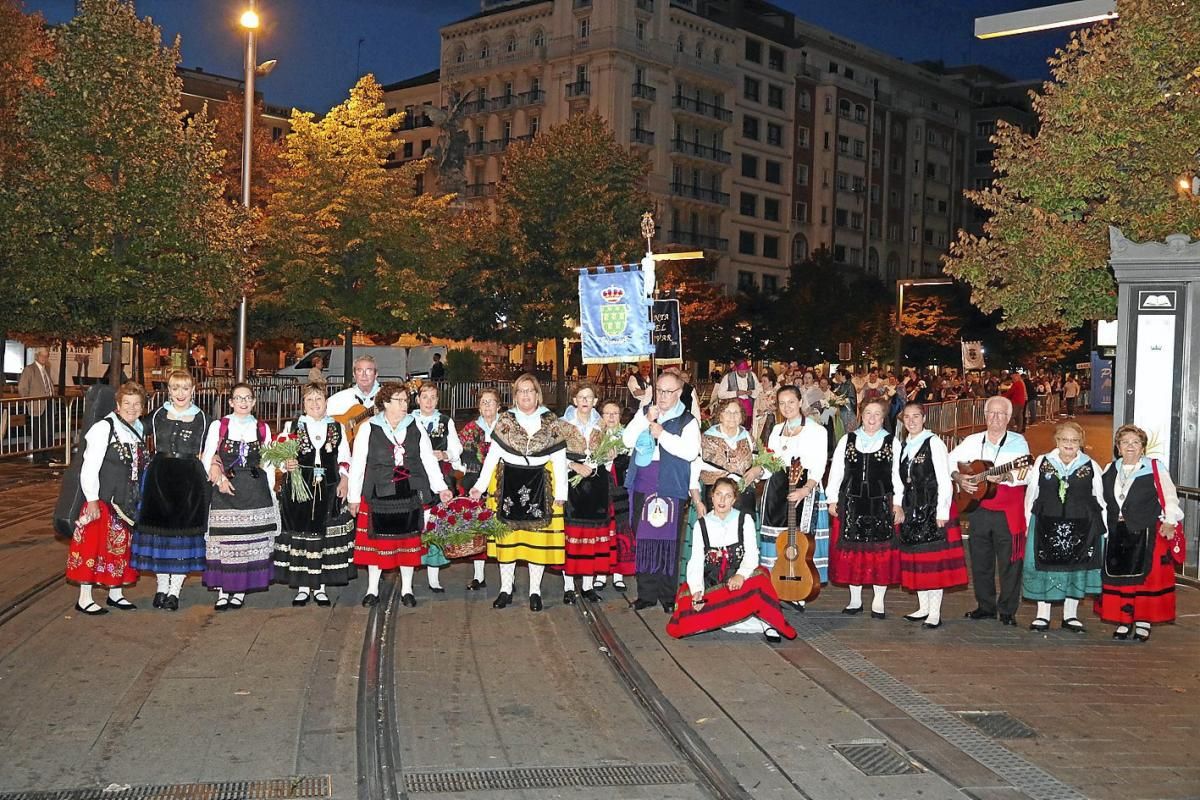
(545, 546)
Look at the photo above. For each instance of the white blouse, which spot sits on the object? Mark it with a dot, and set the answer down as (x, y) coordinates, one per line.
(837, 469)
(557, 459)
(941, 469)
(810, 445)
(358, 460)
(722, 533)
(241, 429)
(318, 429)
(97, 446)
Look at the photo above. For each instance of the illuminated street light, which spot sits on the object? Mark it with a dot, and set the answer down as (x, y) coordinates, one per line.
(249, 19)
(1060, 15)
(250, 22)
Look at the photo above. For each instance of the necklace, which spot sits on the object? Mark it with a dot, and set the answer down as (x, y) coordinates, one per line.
(1124, 479)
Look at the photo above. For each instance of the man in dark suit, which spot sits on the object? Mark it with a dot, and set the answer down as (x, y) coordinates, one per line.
(35, 382)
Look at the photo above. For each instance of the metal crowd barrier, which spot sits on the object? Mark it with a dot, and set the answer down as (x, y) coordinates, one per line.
(1189, 500)
(38, 424)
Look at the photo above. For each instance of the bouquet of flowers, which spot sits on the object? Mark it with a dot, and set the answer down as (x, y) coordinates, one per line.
(838, 400)
(284, 448)
(611, 445)
(766, 460)
(462, 527)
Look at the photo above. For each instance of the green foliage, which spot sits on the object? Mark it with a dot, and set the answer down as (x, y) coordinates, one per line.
(463, 364)
(1119, 125)
(111, 221)
(349, 243)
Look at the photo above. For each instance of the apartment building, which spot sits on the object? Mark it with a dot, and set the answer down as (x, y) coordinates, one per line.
(767, 137)
(201, 88)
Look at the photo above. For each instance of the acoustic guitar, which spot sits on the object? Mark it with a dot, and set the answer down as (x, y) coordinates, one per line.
(795, 575)
(353, 418)
(984, 489)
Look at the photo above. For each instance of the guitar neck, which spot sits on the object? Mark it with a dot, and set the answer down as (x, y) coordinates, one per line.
(1001, 469)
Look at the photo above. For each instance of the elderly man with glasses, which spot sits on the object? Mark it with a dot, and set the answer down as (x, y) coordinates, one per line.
(665, 439)
(997, 527)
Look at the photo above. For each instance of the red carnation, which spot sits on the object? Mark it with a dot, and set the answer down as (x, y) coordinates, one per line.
(484, 516)
(293, 436)
(452, 520)
(281, 437)
(431, 526)
(467, 516)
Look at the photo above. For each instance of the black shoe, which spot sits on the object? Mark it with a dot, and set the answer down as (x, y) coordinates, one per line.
(1040, 624)
(475, 586)
(370, 600)
(1073, 625)
(591, 596)
(322, 599)
(502, 600)
(796, 605)
(854, 610)
(171, 603)
(878, 614)
(235, 603)
(979, 613)
(222, 604)
(1008, 619)
(569, 597)
(772, 636)
(1141, 633)
(641, 604)
(300, 600)
(619, 585)
(535, 602)
(159, 599)
(932, 625)
(91, 609)
(668, 606)
(408, 600)
(120, 605)
(1121, 634)
(437, 589)
(917, 617)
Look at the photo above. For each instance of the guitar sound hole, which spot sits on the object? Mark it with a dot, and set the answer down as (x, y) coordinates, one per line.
(791, 553)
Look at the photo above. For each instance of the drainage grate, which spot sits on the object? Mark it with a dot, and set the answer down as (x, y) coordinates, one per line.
(545, 778)
(998, 724)
(875, 757)
(297, 787)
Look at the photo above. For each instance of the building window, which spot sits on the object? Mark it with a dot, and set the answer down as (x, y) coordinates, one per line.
(770, 283)
(941, 206)
(716, 55)
(774, 172)
(917, 133)
(276, 134)
(750, 127)
(745, 282)
(749, 166)
(985, 128)
(856, 220)
(800, 214)
(754, 51)
(841, 217)
(833, 67)
(700, 50)
(916, 167)
(641, 30)
(511, 45)
(844, 145)
(984, 156)
(585, 27)
(770, 209)
(826, 140)
(746, 243)
(770, 247)
(419, 185)
(802, 136)
(860, 148)
(855, 256)
(460, 55)
(931, 136)
(860, 113)
(803, 101)
(876, 158)
(751, 88)
(875, 194)
(828, 104)
(748, 205)
(774, 134)
(539, 38)
(407, 151)
(799, 248)
(484, 50)
(844, 108)
(839, 253)
(849, 72)
(802, 174)
(680, 44)
(775, 59)
(774, 96)
(533, 126)
(843, 182)
(824, 215)
(425, 144)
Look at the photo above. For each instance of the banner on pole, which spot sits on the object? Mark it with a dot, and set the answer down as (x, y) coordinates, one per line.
(972, 355)
(613, 314)
(668, 336)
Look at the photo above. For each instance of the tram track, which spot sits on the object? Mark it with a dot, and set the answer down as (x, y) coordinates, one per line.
(27, 513)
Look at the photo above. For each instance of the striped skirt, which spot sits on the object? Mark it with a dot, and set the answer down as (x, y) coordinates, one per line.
(241, 535)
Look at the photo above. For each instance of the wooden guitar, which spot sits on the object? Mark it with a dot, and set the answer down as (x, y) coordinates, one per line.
(984, 489)
(353, 418)
(795, 575)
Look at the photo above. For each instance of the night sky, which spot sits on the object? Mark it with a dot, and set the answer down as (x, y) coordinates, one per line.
(317, 41)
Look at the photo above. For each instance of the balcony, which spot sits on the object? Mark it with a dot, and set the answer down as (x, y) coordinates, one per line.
(645, 5)
(700, 193)
(691, 105)
(476, 148)
(701, 151)
(644, 91)
(698, 240)
(474, 191)
(456, 69)
(414, 120)
(639, 136)
(534, 97)
(579, 89)
(476, 106)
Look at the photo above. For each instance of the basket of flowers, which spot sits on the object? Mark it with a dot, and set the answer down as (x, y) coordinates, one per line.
(462, 527)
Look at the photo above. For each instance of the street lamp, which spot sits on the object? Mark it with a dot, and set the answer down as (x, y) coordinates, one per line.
(1060, 15)
(900, 284)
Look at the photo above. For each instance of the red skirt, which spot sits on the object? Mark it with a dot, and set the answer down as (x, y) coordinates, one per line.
(859, 567)
(399, 549)
(1152, 600)
(723, 608)
(591, 549)
(100, 551)
(940, 565)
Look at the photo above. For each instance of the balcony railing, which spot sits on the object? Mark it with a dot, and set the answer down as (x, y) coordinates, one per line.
(644, 91)
(532, 97)
(701, 151)
(579, 89)
(477, 190)
(698, 240)
(639, 136)
(415, 121)
(645, 5)
(700, 193)
(694, 106)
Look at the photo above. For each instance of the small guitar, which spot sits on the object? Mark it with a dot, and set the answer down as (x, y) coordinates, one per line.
(353, 418)
(794, 575)
(984, 489)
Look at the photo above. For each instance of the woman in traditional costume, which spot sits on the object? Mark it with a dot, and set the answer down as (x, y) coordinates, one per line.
(1144, 541)
(589, 542)
(243, 519)
(624, 553)
(394, 478)
(930, 540)
(863, 541)
(110, 477)
(531, 488)
(316, 544)
(168, 539)
(447, 449)
(476, 440)
(726, 587)
(726, 450)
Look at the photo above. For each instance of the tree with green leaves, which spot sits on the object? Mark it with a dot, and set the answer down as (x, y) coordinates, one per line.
(351, 245)
(1118, 127)
(111, 221)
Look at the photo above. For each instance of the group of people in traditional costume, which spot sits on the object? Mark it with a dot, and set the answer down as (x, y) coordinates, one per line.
(694, 514)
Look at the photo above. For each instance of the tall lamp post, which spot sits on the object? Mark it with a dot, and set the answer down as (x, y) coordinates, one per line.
(900, 284)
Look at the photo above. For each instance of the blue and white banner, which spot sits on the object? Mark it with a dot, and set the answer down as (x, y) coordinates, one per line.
(614, 314)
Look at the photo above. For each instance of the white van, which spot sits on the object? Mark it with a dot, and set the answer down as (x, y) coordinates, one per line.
(398, 363)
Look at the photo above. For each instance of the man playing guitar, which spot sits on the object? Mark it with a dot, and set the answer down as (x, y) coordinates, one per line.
(361, 395)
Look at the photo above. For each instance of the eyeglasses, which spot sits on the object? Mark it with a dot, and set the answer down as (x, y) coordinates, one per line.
(242, 398)
(396, 399)
(668, 391)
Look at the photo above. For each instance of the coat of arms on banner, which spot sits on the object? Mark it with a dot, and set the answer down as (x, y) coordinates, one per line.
(614, 314)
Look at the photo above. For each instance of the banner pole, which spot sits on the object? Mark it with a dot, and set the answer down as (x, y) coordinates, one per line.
(652, 292)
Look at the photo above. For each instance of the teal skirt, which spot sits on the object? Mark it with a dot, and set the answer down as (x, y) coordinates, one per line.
(1054, 586)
